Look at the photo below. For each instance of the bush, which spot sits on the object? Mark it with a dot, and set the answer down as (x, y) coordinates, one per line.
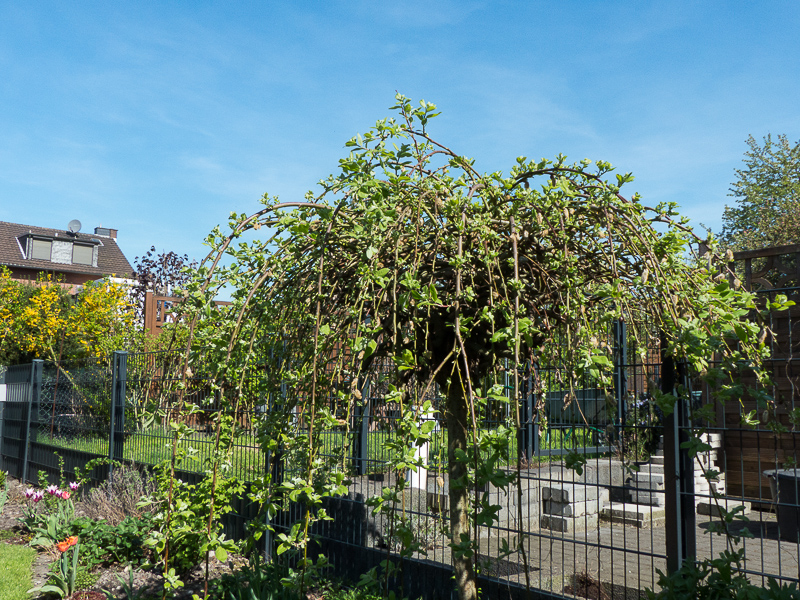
(256, 581)
(719, 579)
(103, 544)
(117, 498)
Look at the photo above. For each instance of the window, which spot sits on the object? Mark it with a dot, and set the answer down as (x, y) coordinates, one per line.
(41, 249)
(81, 255)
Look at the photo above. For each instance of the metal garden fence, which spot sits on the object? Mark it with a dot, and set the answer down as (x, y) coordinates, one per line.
(638, 505)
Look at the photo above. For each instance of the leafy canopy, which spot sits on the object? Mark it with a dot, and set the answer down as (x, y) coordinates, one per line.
(411, 253)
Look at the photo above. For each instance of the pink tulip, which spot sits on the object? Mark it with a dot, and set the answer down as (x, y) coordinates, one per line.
(65, 495)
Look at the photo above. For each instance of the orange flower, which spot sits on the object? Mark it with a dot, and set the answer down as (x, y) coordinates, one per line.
(67, 543)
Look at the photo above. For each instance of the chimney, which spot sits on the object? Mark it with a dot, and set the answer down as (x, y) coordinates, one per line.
(104, 231)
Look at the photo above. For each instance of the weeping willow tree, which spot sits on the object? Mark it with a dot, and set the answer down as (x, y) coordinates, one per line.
(412, 257)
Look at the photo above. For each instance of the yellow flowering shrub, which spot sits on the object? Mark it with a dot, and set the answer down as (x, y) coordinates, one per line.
(42, 321)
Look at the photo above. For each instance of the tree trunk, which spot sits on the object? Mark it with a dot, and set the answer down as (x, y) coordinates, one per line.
(457, 429)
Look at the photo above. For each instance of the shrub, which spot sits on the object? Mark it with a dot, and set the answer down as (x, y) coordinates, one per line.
(118, 498)
(719, 579)
(103, 544)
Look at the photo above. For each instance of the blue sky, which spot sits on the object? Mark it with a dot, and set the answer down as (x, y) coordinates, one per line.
(158, 119)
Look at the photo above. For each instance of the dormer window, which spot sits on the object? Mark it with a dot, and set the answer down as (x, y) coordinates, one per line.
(82, 254)
(61, 250)
(41, 249)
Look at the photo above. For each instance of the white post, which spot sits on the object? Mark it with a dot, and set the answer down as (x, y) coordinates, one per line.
(419, 478)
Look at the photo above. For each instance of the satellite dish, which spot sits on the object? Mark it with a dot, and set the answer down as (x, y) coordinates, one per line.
(74, 226)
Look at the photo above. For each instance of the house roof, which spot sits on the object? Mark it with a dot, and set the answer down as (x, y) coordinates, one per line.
(110, 259)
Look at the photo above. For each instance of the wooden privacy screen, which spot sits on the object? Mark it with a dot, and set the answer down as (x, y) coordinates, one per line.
(750, 451)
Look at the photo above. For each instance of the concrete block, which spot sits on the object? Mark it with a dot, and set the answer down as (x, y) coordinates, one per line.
(711, 508)
(566, 493)
(649, 498)
(649, 469)
(712, 439)
(572, 509)
(643, 479)
(569, 524)
(633, 514)
(647, 486)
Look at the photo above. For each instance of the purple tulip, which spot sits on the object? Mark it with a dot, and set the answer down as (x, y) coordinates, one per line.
(53, 490)
(73, 485)
(29, 493)
(37, 496)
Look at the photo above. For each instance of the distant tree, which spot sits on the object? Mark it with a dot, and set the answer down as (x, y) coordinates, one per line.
(767, 193)
(160, 273)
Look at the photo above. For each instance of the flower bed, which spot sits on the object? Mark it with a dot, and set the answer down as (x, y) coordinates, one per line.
(81, 555)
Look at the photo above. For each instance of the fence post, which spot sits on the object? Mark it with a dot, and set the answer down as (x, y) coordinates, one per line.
(686, 468)
(678, 474)
(620, 375)
(528, 439)
(34, 391)
(116, 438)
(361, 414)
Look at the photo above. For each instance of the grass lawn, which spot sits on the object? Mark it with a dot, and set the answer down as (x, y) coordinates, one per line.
(153, 446)
(16, 577)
